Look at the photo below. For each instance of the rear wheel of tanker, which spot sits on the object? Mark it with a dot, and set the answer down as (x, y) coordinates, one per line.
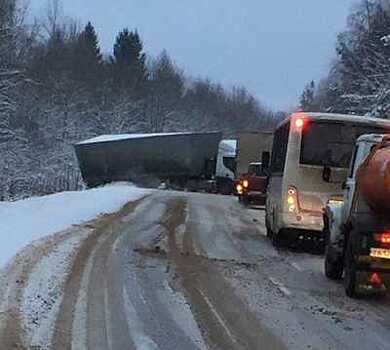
(351, 273)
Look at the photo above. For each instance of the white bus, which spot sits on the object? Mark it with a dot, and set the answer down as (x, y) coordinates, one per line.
(309, 164)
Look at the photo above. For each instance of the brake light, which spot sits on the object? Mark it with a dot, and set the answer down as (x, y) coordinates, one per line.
(299, 123)
(245, 183)
(383, 237)
(239, 188)
(292, 199)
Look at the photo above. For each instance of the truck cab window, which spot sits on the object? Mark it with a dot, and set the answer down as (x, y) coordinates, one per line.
(230, 163)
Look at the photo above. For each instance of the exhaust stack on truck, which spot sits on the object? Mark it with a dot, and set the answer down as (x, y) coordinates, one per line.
(180, 159)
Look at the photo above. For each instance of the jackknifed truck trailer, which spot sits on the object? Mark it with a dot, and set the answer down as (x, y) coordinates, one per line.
(178, 160)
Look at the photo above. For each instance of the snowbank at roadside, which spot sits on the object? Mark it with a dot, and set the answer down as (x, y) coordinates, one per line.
(27, 220)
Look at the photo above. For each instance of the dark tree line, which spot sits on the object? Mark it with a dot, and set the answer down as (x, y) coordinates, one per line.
(359, 79)
(57, 88)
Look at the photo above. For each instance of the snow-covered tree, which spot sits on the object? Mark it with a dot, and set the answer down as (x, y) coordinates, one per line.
(307, 98)
(56, 89)
(87, 59)
(359, 80)
(129, 63)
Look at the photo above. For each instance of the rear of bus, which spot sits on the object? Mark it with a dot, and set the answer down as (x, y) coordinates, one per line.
(309, 164)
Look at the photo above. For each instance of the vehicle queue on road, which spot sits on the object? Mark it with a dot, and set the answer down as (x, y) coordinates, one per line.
(308, 175)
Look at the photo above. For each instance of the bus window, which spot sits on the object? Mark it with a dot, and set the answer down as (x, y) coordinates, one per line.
(279, 150)
(330, 144)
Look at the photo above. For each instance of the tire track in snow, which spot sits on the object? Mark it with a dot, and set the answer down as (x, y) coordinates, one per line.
(63, 335)
(141, 340)
(16, 276)
(225, 321)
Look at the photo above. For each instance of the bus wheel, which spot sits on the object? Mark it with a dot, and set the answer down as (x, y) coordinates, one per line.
(351, 275)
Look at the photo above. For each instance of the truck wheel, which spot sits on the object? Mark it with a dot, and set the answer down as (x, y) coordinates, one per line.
(350, 278)
(333, 265)
(267, 225)
(277, 239)
(268, 230)
(226, 188)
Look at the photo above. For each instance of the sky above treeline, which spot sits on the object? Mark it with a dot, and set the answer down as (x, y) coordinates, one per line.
(273, 48)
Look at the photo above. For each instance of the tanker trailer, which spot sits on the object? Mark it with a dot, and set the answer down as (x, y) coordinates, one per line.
(357, 227)
(180, 159)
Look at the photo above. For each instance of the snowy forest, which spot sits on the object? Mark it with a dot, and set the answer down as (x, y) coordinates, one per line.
(359, 78)
(57, 88)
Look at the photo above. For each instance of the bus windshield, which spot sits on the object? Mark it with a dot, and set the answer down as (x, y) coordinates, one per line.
(331, 144)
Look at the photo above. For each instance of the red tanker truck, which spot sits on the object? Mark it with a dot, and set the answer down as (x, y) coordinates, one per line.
(357, 226)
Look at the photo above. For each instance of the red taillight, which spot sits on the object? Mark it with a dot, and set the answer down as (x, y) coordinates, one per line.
(299, 123)
(383, 237)
(375, 278)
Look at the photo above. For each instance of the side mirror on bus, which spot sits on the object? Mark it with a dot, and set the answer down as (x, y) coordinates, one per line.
(265, 158)
(326, 174)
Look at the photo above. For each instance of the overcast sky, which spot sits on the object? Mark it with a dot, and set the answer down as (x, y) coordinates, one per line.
(271, 47)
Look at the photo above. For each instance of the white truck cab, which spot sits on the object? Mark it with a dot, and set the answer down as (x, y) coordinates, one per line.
(338, 211)
(226, 165)
(340, 218)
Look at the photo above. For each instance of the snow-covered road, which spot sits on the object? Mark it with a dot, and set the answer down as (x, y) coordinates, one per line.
(181, 271)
